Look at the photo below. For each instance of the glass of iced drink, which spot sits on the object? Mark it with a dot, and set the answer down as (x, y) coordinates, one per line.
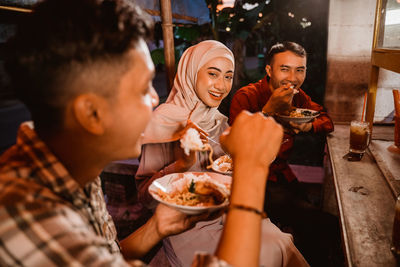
(359, 136)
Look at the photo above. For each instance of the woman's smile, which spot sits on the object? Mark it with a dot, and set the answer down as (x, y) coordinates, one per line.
(215, 95)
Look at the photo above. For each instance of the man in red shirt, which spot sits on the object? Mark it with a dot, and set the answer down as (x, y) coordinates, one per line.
(276, 93)
(286, 201)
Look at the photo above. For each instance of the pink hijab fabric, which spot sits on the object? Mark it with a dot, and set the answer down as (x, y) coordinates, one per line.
(172, 116)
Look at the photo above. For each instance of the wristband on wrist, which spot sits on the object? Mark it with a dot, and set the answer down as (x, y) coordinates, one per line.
(266, 114)
(247, 208)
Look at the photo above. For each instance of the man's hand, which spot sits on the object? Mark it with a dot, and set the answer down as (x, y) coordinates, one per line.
(253, 139)
(280, 100)
(301, 127)
(166, 221)
(169, 221)
(253, 142)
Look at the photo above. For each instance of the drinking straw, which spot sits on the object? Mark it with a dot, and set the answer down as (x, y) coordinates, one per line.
(365, 100)
(396, 99)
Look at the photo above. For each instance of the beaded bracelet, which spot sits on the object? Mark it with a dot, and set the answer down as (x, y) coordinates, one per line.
(246, 208)
(266, 114)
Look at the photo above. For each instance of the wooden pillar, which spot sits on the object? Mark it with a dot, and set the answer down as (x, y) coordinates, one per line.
(372, 90)
(168, 36)
(373, 79)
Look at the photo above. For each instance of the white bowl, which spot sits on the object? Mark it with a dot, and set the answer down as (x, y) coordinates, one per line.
(299, 119)
(166, 181)
(216, 166)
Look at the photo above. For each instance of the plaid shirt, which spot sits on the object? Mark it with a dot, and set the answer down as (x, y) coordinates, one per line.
(47, 219)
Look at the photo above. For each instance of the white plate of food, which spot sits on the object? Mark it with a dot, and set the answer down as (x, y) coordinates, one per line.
(299, 115)
(192, 192)
(223, 165)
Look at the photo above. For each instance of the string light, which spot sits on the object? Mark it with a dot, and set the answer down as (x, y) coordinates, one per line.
(304, 23)
(248, 6)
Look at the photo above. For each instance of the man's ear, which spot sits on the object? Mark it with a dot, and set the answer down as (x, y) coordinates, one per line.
(89, 111)
(268, 70)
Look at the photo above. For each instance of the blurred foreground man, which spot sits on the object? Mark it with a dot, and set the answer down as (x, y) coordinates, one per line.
(286, 201)
(83, 69)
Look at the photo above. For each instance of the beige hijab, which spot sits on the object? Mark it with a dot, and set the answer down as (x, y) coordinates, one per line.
(172, 116)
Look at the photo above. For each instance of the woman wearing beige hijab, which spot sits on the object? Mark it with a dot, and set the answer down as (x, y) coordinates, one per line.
(195, 96)
(203, 80)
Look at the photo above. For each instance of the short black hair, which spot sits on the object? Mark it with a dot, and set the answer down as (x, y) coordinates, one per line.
(283, 47)
(61, 39)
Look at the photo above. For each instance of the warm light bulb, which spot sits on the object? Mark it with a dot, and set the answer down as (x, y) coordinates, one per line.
(248, 6)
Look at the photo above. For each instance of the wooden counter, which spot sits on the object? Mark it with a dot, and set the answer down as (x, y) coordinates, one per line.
(365, 193)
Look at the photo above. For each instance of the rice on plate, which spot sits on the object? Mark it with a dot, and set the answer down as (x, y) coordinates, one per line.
(192, 192)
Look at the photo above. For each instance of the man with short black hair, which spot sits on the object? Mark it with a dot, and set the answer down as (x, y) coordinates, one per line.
(83, 69)
(277, 93)
(286, 201)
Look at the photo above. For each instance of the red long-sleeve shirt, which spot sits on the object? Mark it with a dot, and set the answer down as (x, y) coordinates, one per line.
(254, 96)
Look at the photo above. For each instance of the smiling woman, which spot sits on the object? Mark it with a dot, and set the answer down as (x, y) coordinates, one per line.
(214, 81)
(203, 80)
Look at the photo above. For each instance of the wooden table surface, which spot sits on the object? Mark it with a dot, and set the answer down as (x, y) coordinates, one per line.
(365, 196)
